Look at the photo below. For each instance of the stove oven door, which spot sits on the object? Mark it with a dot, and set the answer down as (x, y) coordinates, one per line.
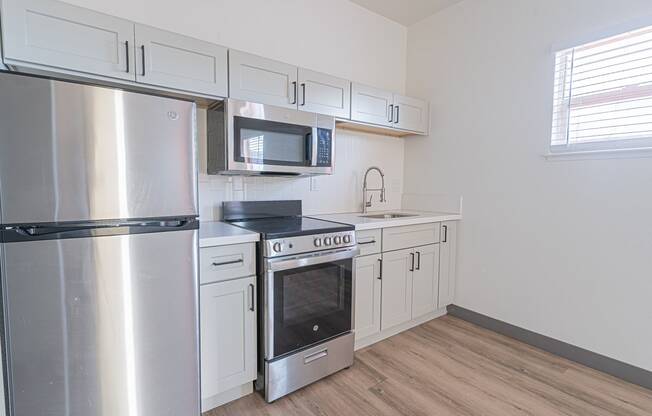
(308, 300)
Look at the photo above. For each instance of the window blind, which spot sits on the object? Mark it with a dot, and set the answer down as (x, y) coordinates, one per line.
(603, 94)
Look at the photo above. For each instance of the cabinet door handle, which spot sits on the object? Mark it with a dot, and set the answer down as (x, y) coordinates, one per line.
(380, 267)
(391, 113)
(412, 262)
(294, 92)
(303, 94)
(366, 242)
(127, 55)
(225, 263)
(418, 260)
(142, 50)
(397, 114)
(252, 298)
(445, 227)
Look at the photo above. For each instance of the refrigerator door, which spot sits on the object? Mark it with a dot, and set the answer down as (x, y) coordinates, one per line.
(103, 326)
(70, 152)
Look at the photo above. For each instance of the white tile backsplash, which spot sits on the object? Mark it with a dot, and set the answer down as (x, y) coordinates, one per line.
(337, 193)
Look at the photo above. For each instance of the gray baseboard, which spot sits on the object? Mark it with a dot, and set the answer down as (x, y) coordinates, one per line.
(588, 358)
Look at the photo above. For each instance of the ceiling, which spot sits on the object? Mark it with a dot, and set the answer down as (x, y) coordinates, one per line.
(405, 12)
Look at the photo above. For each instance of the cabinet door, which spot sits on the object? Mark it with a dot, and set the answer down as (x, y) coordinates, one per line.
(396, 290)
(262, 80)
(411, 114)
(367, 296)
(228, 335)
(170, 60)
(67, 37)
(447, 253)
(425, 280)
(371, 105)
(324, 94)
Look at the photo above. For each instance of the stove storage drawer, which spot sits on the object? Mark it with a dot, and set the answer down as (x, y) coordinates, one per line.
(369, 241)
(397, 238)
(227, 262)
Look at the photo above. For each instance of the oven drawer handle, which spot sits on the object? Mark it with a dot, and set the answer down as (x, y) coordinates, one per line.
(226, 263)
(315, 356)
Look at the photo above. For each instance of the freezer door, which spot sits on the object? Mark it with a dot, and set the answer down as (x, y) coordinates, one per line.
(103, 326)
(70, 152)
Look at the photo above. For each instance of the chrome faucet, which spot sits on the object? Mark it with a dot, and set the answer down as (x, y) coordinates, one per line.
(367, 204)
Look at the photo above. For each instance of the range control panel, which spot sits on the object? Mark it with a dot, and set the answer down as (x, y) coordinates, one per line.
(308, 243)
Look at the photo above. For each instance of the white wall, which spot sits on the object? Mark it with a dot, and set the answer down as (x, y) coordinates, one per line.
(333, 36)
(336, 37)
(563, 248)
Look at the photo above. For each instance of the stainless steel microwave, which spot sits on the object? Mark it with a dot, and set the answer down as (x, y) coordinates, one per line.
(247, 138)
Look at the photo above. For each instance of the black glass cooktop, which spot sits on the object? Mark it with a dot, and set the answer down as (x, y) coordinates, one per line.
(281, 227)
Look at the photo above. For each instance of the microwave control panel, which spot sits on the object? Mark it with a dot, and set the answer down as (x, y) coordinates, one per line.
(324, 147)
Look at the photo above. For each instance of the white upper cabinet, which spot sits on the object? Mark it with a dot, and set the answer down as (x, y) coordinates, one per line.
(174, 61)
(425, 282)
(324, 94)
(376, 106)
(261, 80)
(371, 105)
(411, 114)
(59, 35)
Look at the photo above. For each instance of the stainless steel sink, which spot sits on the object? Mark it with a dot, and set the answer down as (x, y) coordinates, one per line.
(388, 216)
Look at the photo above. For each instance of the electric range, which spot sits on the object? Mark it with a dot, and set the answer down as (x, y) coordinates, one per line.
(305, 285)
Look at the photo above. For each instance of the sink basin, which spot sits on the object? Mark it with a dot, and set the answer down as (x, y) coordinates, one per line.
(388, 216)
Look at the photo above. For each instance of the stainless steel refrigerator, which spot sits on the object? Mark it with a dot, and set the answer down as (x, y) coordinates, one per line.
(98, 223)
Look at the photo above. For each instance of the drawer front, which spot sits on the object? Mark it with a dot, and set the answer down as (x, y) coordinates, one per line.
(369, 241)
(227, 262)
(397, 238)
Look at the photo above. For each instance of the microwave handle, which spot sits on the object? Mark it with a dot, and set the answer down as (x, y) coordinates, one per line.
(312, 147)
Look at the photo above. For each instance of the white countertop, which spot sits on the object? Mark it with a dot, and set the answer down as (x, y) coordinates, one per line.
(217, 233)
(364, 223)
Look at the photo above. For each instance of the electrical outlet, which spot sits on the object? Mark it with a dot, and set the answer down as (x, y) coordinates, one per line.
(314, 184)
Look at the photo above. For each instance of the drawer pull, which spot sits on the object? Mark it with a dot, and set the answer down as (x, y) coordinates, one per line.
(226, 263)
(360, 243)
(315, 356)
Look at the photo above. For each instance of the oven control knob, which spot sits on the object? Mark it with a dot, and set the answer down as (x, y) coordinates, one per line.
(337, 240)
(328, 241)
(347, 239)
(317, 242)
(277, 247)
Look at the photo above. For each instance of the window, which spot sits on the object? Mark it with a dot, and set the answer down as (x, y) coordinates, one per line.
(603, 94)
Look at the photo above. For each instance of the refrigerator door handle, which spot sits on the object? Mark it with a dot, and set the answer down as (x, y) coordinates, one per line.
(38, 231)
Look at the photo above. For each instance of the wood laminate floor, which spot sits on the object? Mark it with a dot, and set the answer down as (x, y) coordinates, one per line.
(451, 367)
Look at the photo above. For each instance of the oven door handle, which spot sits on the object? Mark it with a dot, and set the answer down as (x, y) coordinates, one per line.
(310, 259)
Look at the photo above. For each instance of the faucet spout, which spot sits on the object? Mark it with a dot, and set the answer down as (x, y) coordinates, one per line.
(366, 204)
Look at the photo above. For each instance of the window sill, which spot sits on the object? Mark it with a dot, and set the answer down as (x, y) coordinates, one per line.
(629, 153)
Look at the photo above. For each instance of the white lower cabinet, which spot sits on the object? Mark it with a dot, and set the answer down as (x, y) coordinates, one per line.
(367, 289)
(411, 281)
(447, 253)
(425, 280)
(228, 338)
(396, 303)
